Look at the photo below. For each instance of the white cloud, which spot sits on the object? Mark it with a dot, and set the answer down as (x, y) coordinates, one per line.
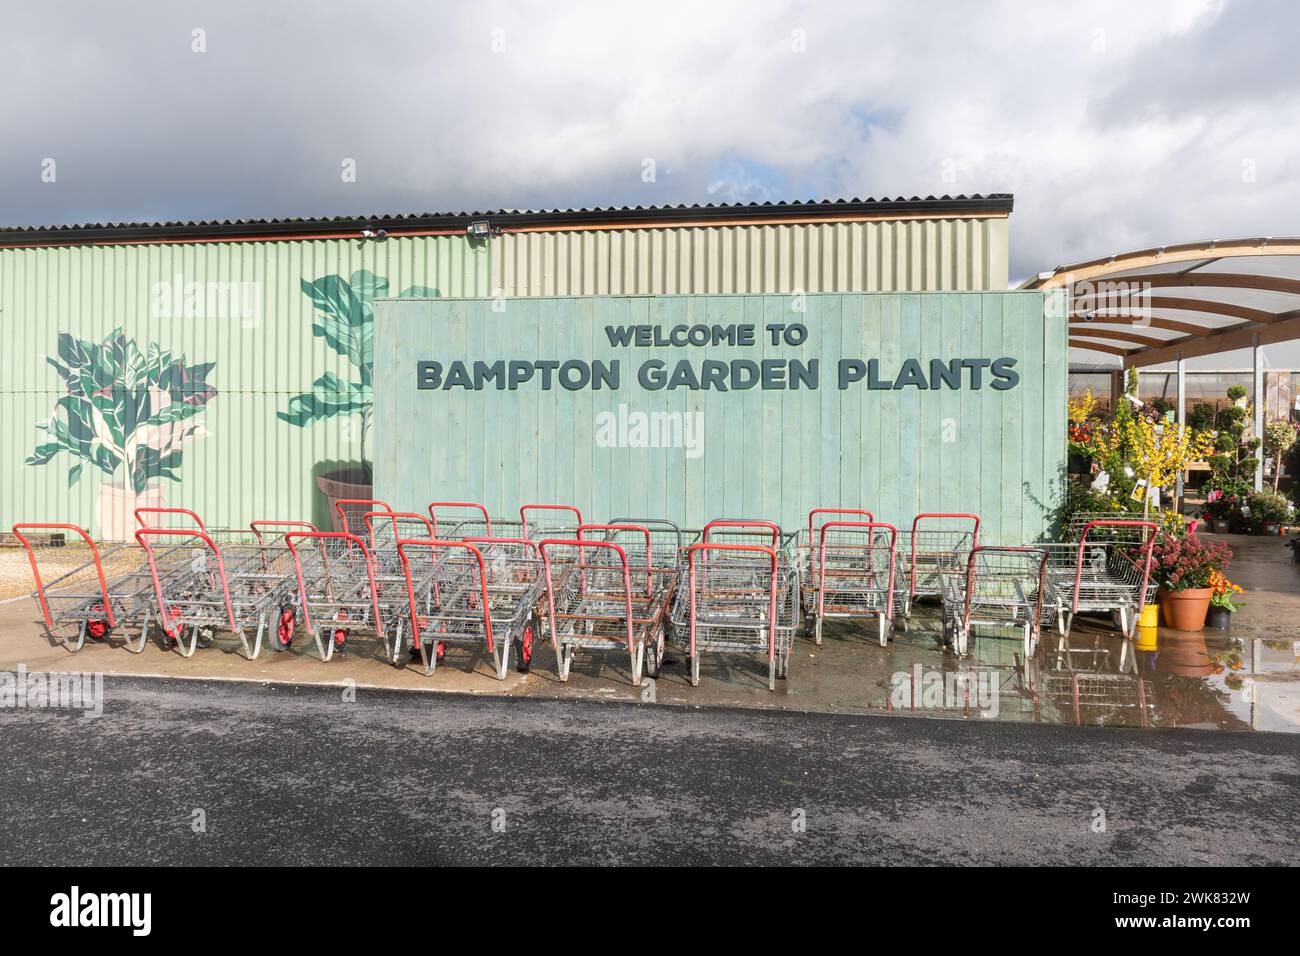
(1116, 124)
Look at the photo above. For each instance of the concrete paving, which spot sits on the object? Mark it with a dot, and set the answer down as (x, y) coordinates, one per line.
(1200, 680)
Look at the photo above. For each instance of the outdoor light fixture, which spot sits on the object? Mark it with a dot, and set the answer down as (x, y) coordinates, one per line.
(479, 229)
(1089, 316)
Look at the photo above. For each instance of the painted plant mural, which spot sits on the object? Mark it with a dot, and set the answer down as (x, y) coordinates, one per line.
(345, 318)
(127, 413)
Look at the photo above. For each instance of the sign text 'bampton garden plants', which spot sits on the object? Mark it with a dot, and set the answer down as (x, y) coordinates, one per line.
(715, 374)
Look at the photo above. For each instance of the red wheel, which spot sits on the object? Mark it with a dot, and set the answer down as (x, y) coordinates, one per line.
(285, 627)
(441, 650)
(524, 650)
(340, 638)
(98, 630)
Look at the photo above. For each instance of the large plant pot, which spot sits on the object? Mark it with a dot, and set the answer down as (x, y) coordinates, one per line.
(115, 509)
(1185, 610)
(1218, 618)
(1079, 464)
(1218, 527)
(340, 485)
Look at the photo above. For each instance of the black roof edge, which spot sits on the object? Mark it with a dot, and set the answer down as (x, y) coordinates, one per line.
(252, 228)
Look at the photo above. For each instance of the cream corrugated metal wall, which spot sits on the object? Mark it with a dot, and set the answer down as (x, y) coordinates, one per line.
(250, 464)
(916, 255)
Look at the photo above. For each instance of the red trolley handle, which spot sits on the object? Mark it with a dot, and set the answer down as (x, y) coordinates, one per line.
(434, 544)
(323, 536)
(343, 518)
(258, 525)
(1006, 549)
(527, 542)
(40, 585)
(139, 512)
(742, 523)
(261, 523)
(164, 614)
(1147, 551)
(649, 562)
(370, 517)
(868, 527)
(487, 520)
(974, 538)
(756, 548)
(836, 511)
(580, 544)
(523, 512)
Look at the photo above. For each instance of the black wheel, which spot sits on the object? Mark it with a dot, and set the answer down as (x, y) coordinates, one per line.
(524, 651)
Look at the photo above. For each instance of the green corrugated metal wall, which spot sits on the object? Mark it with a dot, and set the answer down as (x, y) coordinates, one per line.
(250, 464)
(770, 454)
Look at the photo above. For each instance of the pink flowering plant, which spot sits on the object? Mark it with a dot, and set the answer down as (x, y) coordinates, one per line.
(1185, 563)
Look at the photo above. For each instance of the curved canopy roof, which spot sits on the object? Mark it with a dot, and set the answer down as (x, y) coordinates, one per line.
(1198, 298)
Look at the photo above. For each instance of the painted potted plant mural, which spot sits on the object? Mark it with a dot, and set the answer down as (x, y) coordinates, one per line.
(127, 413)
(344, 316)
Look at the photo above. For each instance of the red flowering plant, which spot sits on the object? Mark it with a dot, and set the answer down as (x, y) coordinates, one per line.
(1182, 564)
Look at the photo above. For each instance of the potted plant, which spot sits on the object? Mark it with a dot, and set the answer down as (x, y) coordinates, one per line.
(1279, 436)
(1268, 511)
(344, 316)
(1183, 567)
(1223, 603)
(126, 413)
(1223, 504)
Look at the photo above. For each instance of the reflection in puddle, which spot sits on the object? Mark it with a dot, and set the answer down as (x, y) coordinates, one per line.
(1164, 679)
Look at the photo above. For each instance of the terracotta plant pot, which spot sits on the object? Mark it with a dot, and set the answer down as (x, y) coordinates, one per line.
(1185, 610)
(1218, 618)
(338, 485)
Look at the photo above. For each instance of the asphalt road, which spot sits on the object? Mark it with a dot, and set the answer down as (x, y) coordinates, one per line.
(178, 772)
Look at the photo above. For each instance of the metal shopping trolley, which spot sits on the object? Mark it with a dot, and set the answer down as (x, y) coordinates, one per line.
(458, 520)
(807, 538)
(472, 592)
(349, 513)
(851, 573)
(937, 545)
(737, 599)
(998, 586)
(110, 591)
(337, 591)
(1107, 570)
(601, 598)
(229, 586)
(549, 521)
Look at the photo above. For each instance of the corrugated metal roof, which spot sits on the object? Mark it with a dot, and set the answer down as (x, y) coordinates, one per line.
(505, 218)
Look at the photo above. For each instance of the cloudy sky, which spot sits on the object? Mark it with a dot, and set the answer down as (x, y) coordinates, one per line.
(1116, 125)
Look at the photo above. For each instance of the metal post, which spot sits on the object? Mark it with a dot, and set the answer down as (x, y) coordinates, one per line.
(1182, 422)
(1257, 354)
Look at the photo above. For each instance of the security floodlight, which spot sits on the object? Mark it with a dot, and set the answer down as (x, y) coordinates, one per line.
(479, 229)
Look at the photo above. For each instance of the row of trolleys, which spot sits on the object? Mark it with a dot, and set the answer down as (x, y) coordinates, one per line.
(456, 576)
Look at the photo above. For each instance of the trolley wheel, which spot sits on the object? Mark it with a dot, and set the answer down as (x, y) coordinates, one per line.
(98, 630)
(441, 651)
(524, 651)
(286, 623)
(340, 639)
(654, 654)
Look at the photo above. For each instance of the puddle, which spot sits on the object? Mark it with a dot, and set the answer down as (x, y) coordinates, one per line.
(1211, 680)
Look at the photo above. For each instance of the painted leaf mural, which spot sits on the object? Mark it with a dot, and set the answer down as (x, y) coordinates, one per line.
(344, 316)
(125, 410)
